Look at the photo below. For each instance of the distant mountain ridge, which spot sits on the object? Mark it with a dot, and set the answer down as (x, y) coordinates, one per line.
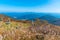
(26, 15)
(51, 19)
(32, 16)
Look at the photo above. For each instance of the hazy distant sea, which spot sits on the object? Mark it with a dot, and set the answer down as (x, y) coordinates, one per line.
(29, 15)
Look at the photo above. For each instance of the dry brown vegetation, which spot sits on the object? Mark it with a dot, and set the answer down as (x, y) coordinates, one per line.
(26, 30)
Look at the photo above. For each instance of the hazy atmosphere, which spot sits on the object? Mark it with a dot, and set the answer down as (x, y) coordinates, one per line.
(29, 19)
(50, 6)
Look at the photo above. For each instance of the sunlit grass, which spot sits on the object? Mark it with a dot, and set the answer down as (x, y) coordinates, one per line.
(27, 31)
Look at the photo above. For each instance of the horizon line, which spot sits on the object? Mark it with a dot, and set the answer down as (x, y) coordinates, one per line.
(29, 12)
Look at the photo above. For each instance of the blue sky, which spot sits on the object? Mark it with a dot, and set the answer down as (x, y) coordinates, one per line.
(50, 6)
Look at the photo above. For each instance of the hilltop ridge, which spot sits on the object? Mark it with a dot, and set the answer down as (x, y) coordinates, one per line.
(35, 29)
(51, 19)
